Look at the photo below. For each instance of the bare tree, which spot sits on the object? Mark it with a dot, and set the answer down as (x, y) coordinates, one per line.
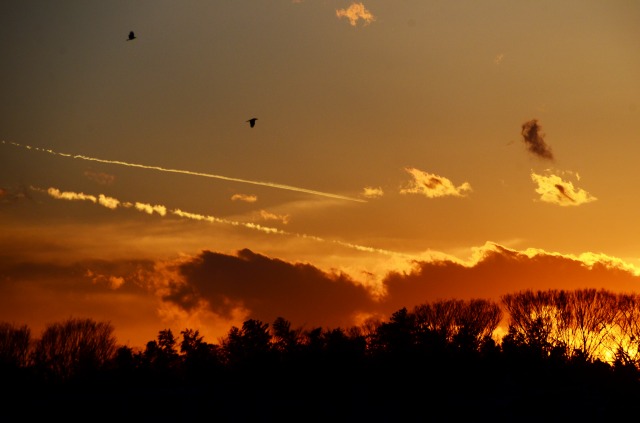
(626, 335)
(476, 322)
(593, 315)
(586, 323)
(467, 322)
(74, 347)
(439, 317)
(14, 345)
(534, 317)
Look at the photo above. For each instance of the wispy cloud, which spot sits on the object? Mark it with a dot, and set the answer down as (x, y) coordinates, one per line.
(265, 215)
(498, 59)
(110, 281)
(244, 197)
(371, 192)
(534, 139)
(100, 177)
(553, 189)
(354, 13)
(13, 195)
(432, 186)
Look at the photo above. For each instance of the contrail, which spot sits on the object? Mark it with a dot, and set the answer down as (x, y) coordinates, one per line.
(188, 172)
(114, 203)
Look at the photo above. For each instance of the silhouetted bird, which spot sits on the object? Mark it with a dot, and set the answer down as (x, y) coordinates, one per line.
(252, 122)
(132, 36)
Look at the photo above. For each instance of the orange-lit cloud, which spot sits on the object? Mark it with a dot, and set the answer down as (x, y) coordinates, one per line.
(496, 270)
(265, 215)
(108, 202)
(111, 281)
(244, 197)
(105, 201)
(371, 192)
(432, 186)
(150, 209)
(356, 12)
(56, 193)
(553, 189)
(534, 139)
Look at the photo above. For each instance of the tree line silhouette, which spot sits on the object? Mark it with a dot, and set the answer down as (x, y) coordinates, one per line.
(564, 355)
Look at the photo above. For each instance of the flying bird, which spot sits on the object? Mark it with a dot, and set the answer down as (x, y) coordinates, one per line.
(132, 36)
(252, 122)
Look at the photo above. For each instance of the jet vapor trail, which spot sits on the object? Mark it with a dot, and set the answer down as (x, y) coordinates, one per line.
(188, 172)
(114, 203)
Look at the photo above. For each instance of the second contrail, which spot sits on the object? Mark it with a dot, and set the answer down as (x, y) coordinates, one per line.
(188, 172)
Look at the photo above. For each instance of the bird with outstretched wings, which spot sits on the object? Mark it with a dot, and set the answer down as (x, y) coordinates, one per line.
(252, 122)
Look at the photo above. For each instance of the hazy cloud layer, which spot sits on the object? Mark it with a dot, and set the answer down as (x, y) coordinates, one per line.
(354, 13)
(265, 215)
(534, 139)
(553, 189)
(100, 177)
(431, 185)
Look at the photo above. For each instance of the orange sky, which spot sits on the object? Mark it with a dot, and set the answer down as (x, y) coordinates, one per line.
(404, 152)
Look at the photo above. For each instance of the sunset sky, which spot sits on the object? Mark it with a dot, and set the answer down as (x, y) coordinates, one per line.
(404, 152)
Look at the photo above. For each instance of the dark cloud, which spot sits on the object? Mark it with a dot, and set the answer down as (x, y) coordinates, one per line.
(270, 288)
(534, 139)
